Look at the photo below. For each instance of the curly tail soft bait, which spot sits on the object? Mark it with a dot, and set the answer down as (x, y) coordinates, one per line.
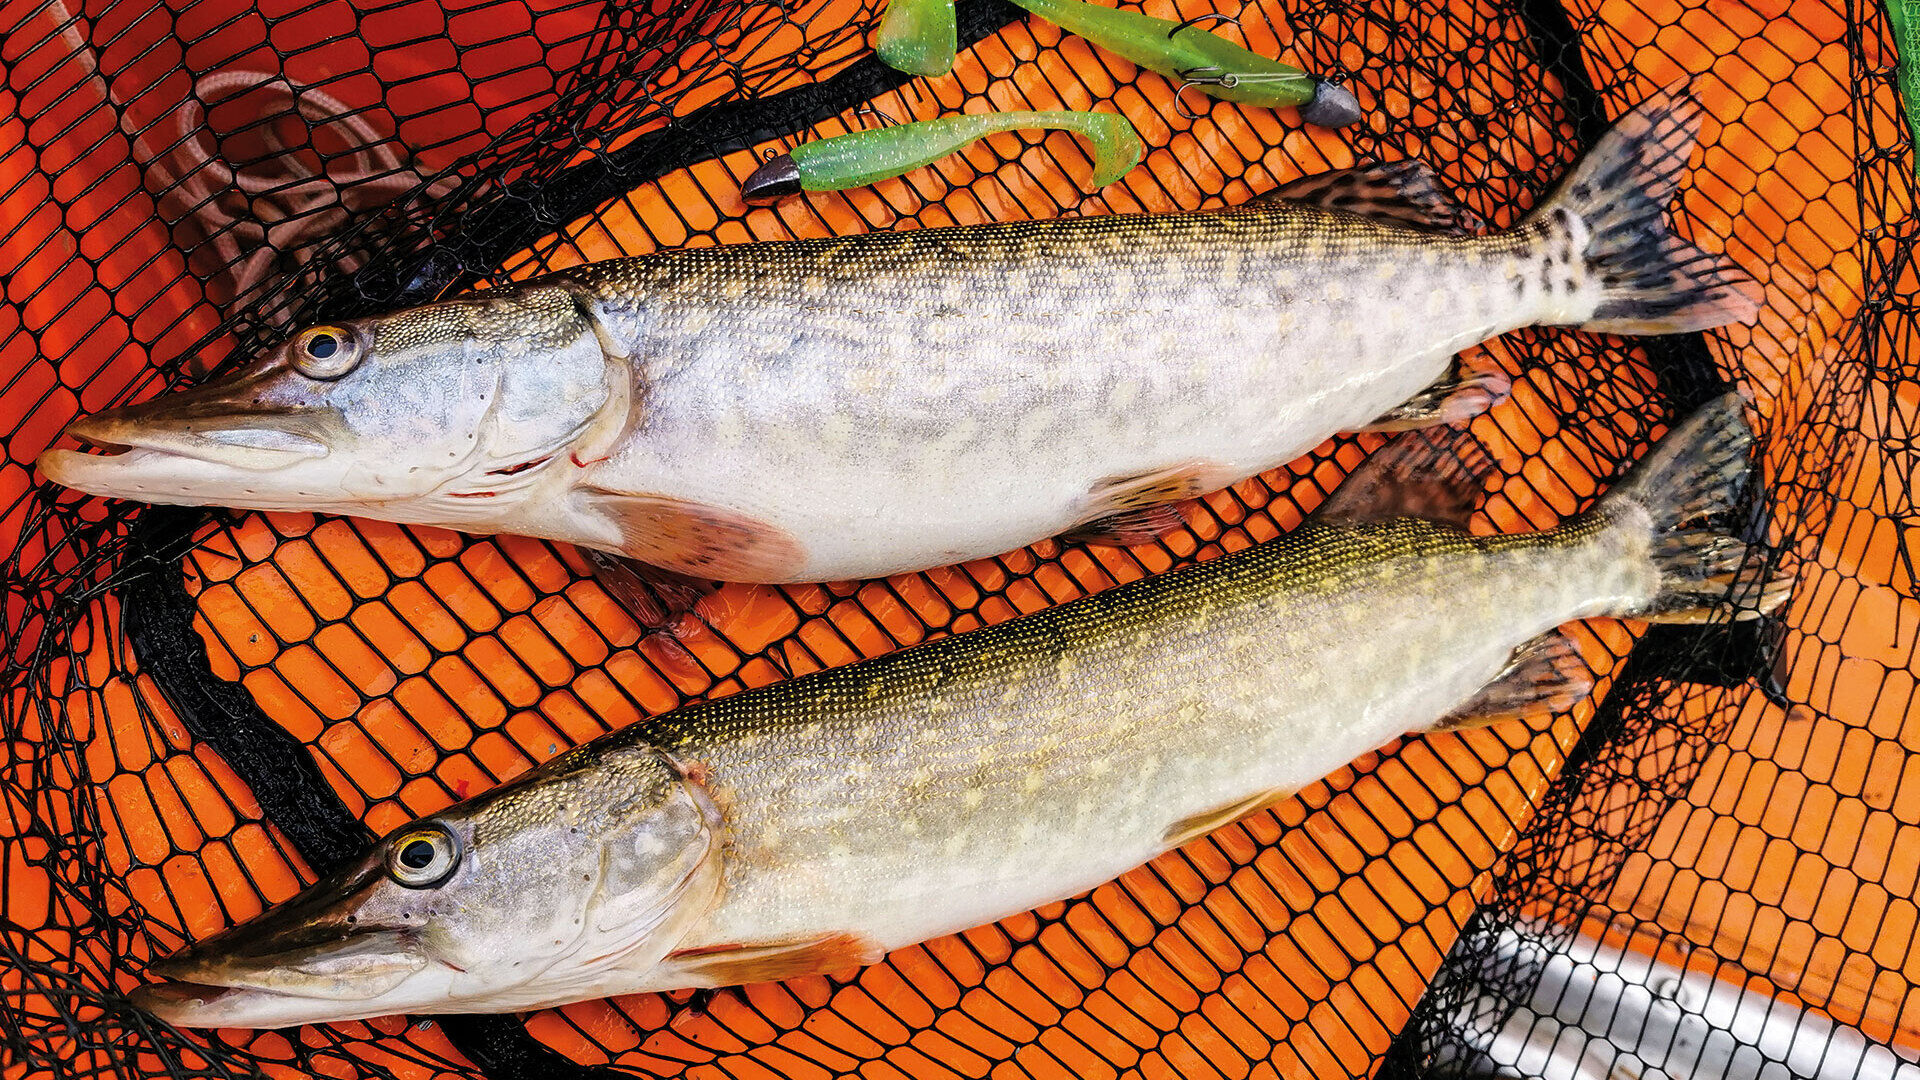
(868, 157)
(1904, 15)
(1209, 62)
(918, 37)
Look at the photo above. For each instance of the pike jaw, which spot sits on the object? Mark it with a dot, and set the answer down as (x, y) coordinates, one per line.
(575, 880)
(442, 413)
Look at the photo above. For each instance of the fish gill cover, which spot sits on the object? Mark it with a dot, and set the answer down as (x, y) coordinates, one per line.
(203, 711)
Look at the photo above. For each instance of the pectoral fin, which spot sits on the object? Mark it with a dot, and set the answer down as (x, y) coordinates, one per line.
(733, 965)
(1198, 825)
(1546, 674)
(1405, 192)
(699, 540)
(1436, 474)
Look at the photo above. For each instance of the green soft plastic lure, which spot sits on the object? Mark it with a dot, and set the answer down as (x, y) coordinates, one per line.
(1904, 15)
(868, 157)
(918, 37)
(1217, 67)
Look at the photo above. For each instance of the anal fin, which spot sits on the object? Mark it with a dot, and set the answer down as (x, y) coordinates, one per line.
(1436, 474)
(1129, 526)
(1195, 826)
(734, 965)
(1546, 674)
(1459, 397)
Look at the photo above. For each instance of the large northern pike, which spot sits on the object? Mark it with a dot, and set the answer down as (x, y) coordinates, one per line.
(817, 823)
(865, 405)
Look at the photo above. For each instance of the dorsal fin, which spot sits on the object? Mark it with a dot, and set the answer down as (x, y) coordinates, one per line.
(1433, 473)
(1401, 191)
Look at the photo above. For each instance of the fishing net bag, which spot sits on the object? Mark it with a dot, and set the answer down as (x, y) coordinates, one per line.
(1711, 866)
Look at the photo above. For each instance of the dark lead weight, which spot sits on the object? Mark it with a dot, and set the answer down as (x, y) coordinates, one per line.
(1332, 106)
(775, 179)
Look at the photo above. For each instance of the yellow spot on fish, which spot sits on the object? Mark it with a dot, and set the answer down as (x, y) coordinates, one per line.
(956, 437)
(974, 797)
(1036, 779)
(836, 432)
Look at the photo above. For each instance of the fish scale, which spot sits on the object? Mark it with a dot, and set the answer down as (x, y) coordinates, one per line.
(864, 405)
(1253, 350)
(1073, 738)
(817, 823)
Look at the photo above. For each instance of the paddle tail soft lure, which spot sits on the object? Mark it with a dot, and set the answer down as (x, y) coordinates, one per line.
(868, 157)
(1206, 61)
(1904, 15)
(918, 37)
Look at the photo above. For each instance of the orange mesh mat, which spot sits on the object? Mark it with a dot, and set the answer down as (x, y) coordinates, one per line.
(1763, 836)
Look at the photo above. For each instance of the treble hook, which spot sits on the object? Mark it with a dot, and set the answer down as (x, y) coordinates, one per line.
(1215, 16)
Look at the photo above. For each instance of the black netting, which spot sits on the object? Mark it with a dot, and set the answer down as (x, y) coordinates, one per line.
(203, 710)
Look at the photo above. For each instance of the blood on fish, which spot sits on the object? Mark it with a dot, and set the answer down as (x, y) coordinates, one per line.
(522, 467)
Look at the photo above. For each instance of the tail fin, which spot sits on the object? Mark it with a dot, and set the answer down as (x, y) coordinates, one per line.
(1698, 472)
(1651, 281)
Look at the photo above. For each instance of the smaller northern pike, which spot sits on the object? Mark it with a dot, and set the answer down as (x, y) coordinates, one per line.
(867, 405)
(817, 823)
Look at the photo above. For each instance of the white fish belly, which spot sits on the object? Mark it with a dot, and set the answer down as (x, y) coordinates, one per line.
(969, 412)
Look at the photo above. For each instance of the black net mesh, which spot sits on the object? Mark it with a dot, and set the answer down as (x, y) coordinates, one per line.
(202, 711)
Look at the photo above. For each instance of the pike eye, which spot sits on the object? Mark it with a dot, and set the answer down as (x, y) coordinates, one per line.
(325, 352)
(423, 857)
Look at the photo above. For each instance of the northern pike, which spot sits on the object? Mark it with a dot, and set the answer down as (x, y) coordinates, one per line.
(815, 824)
(866, 405)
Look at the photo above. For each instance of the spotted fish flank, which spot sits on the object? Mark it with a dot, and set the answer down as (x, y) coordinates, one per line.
(865, 808)
(887, 402)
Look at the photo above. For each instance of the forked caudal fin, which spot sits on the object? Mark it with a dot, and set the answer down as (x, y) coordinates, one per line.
(1695, 474)
(1615, 203)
